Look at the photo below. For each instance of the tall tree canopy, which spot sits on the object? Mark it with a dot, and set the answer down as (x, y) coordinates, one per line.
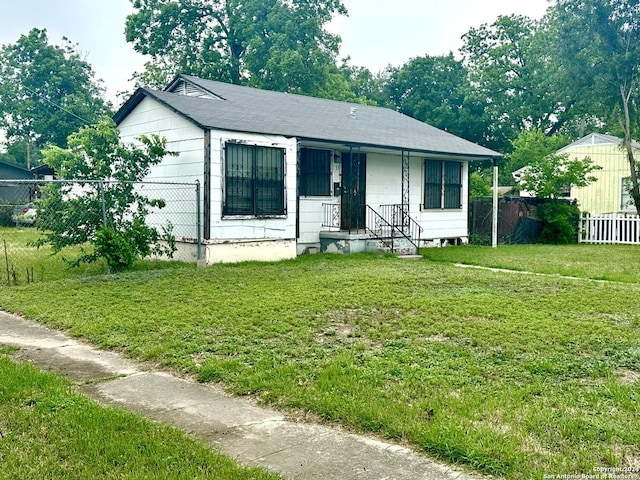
(274, 44)
(46, 93)
(436, 90)
(514, 71)
(599, 44)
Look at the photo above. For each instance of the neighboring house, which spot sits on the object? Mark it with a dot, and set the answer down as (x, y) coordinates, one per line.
(519, 175)
(282, 174)
(610, 192)
(43, 172)
(14, 192)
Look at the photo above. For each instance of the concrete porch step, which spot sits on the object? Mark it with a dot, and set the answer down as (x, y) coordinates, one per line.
(410, 257)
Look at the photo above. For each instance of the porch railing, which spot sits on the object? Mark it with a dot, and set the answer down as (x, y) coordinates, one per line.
(398, 216)
(393, 222)
(331, 216)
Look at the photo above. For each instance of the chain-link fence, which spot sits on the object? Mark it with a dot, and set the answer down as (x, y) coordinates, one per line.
(73, 211)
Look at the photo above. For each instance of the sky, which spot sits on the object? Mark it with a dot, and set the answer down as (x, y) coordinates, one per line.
(377, 33)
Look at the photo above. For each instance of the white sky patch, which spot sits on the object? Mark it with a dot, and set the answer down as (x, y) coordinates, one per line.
(377, 34)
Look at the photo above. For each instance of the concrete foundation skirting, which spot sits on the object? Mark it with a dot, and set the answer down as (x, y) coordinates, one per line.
(262, 250)
(346, 243)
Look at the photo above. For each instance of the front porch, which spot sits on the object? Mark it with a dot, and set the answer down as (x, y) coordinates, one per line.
(387, 229)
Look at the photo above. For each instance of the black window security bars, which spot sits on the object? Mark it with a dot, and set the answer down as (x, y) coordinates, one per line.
(442, 184)
(254, 180)
(315, 172)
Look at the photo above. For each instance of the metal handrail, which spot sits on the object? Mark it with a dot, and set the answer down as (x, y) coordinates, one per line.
(394, 222)
(398, 216)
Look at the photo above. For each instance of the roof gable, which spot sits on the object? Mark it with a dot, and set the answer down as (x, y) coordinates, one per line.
(595, 139)
(231, 107)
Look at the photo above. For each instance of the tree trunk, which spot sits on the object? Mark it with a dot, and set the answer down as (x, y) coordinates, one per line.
(635, 191)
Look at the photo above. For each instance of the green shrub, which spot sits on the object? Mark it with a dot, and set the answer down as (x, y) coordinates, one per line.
(561, 221)
(5, 216)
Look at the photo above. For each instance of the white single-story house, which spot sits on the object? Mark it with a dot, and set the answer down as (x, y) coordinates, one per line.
(285, 174)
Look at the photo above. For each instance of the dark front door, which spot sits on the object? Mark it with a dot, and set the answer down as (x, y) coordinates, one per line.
(352, 216)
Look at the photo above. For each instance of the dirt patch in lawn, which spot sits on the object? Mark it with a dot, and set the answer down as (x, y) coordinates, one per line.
(627, 377)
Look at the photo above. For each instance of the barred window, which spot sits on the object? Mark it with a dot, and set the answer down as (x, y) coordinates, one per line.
(254, 180)
(315, 172)
(442, 184)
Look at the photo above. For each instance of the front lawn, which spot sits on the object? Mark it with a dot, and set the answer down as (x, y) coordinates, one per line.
(513, 375)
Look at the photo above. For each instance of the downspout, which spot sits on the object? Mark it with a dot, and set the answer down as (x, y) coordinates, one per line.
(297, 189)
(207, 185)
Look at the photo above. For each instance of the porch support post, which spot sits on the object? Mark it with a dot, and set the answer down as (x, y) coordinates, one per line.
(405, 189)
(207, 185)
(494, 225)
(405, 181)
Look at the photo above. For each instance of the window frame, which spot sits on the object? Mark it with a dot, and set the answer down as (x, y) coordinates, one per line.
(443, 183)
(315, 181)
(260, 171)
(625, 193)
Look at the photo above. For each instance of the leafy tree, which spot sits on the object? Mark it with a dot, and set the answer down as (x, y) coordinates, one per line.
(46, 92)
(599, 44)
(103, 208)
(273, 44)
(514, 71)
(479, 186)
(365, 86)
(436, 90)
(548, 174)
(530, 146)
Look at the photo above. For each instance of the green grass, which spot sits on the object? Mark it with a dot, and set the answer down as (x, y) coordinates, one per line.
(611, 262)
(48, 431)
(513, 375)
(21, 262)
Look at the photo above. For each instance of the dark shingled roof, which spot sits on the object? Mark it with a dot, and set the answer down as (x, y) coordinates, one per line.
(244, 109)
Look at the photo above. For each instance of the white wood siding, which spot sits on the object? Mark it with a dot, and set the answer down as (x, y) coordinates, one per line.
(149, 118)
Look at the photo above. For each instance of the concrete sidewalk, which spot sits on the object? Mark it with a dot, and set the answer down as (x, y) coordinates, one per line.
(252, 435)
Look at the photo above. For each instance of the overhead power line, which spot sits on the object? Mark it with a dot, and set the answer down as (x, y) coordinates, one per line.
(42, 97)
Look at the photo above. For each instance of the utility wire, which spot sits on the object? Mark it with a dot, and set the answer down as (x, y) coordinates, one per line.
(42, 97)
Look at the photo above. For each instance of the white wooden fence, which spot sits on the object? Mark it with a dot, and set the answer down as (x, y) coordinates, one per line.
(612, 228)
